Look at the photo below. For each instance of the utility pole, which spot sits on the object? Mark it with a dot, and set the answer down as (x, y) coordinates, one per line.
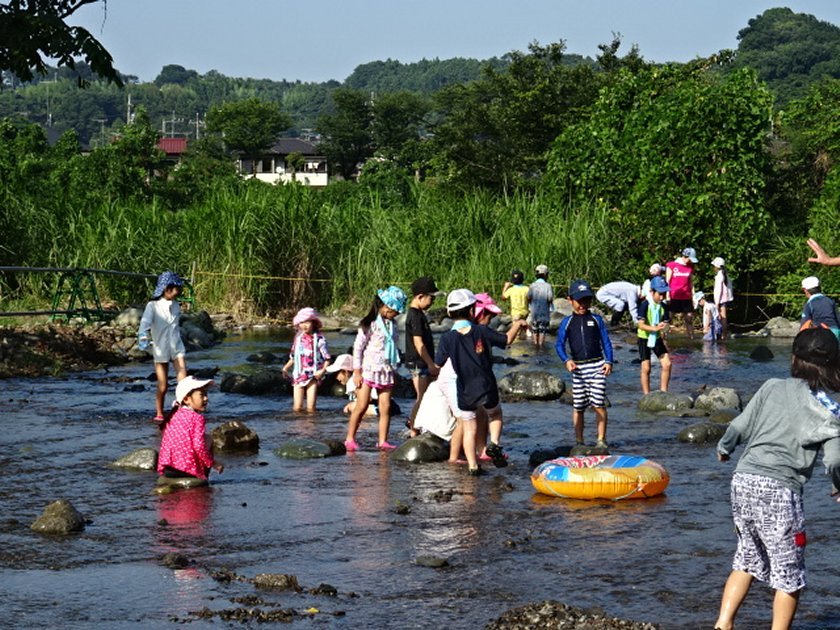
(198, 123)
(129, 117)
(101, 122)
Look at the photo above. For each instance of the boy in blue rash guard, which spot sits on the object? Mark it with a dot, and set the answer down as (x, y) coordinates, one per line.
(589, 359)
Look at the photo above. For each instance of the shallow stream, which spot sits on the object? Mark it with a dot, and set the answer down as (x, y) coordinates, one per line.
(360, 522)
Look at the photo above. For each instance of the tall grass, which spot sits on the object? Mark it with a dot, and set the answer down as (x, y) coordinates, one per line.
(260, 249)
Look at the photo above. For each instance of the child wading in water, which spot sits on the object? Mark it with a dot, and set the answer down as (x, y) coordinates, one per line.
(468, 346)
(783, 428)
(159, 326)
(183, 447)
(375, 361)
(589, 360)
(309, 359)
(419, 344)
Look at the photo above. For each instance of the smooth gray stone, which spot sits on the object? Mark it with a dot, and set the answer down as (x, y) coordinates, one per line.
(257, 384)
(277, 582)
(59, 519)
(181, 482)
(703, 433)
(723, 416)
(664, 401)
(433, 562)
(235, 437)
(304, 449)
(138, 459)
(718, 398)
(424, 448)
(531, 385)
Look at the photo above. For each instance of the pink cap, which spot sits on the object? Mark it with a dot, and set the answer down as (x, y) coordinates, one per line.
(307, 314)
(483, 302)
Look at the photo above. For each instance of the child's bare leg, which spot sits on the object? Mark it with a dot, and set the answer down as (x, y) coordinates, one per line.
(577, 422)
(180, 364)
(644, 376)
(359, 409)
(665, 375)
(601, 419)
(469, 442)
(162, 375)
(481, 431)
(734, 593)
(724, 323)
(297, 397)
(494, 424)
(784, 608)
(689, 324)
(384, 415)
(311, 395)
(456, 442)
(421, 384)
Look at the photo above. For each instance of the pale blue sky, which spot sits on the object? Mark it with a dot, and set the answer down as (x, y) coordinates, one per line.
(320, 40)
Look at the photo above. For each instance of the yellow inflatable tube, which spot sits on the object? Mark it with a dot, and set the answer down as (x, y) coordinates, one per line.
(600, 477)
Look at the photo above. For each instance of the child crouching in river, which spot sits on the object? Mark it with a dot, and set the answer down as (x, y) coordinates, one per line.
(783, 428)
(183, 446)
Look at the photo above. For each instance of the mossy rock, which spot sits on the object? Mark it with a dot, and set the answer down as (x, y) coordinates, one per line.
(304, 449)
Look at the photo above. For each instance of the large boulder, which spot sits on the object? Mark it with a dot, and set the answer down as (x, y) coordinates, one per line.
(234, 437)
(718, 398)
(723, 416)
(781, 327)
(59, 519)
(129, 318)
(761, 354)
(195, 337)
(257, 384)
(310, 449)
(531, 385)
(138, 459)
(422, 449)
(703, 433)
(656, 402)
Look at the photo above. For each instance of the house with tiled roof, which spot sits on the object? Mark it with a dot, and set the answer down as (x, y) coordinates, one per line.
(174, 148)
(288, 160)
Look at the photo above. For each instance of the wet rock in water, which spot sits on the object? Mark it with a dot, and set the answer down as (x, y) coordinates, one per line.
(262, 357)
(277, 582)
(664, 401)
(541, 455)
(336, 447)
(781, 327)
(433, 562)
(505, 361)
(204, 373)
(166, 485)
(703, 433)
(581, 450)
(722, 416)
(425, 448)
(260, 383)
(324, 589)
(137, 387)
(762, 354)
(304, 449)
(718, 398)
(138, 459)
(234, 437)
(59, 519)
(174, 560)
(552, 615)
(245, 615)
(531, 385)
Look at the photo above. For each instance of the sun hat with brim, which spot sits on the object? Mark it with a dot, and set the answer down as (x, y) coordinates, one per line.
(655, 269)
(717, 262)
(189, 384)
(342, 362)
(393, 297)
(695, 299)
(579, 289)
(659, 285)
(459, 298)
(689, 253)
(811, 282)
(542, 269)
(483, 302)
(166, 279)
(307, 314)
(816, 345)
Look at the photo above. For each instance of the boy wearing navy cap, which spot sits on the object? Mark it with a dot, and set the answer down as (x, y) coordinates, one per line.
(589, 359)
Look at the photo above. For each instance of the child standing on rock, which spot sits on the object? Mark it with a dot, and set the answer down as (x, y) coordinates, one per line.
(375, 362)
(419, 344)
(159, 327)
(308, 359)
(183, 446)
(783, 428)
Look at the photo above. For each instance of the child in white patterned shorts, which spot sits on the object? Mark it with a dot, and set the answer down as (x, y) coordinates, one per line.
(783, 428)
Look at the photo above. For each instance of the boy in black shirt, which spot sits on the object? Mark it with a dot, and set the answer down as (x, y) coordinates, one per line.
(468, 346)
(419, 345)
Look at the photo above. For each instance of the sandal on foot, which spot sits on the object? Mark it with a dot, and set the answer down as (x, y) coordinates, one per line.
(497, 455)
(158, 419)
(351, 445)
(386, 446)
(602, 444)
(475, 472)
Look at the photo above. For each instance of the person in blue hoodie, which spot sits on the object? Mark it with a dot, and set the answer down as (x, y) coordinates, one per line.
(589, 359)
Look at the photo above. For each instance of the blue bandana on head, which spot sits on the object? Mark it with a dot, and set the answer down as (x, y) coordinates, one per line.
(393, 297)
(166, 279)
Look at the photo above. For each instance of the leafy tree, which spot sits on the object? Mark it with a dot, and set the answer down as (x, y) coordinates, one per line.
(397, 123)
(33, 29)
(176, 74)
(347, 132)
(250, 126)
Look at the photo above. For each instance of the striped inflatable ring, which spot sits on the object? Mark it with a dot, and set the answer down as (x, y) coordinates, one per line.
(600, 477)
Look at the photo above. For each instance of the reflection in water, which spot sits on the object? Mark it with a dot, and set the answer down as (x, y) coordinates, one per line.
(715, 356)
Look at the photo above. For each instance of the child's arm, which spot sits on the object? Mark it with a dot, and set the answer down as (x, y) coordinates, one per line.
(325, 355)
(505, 287)
(606, 346)
(560, 345)
(643, 325)
(144, 330)
(514, 330)
(289, 364)
(359, 345)
(423, 352)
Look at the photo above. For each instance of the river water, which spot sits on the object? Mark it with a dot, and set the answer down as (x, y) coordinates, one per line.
(359, 522)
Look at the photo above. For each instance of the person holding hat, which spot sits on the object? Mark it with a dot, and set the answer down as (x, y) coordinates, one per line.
(819, 310)
(540, 304)
(722, 294)
(159, 328)
(782, 429)
(468, 346)
(419, 345)
(653, 324)
(516, 291)
(679, 274)
(308, 359)
(183, 445)
(589, 360)
(375, 362)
